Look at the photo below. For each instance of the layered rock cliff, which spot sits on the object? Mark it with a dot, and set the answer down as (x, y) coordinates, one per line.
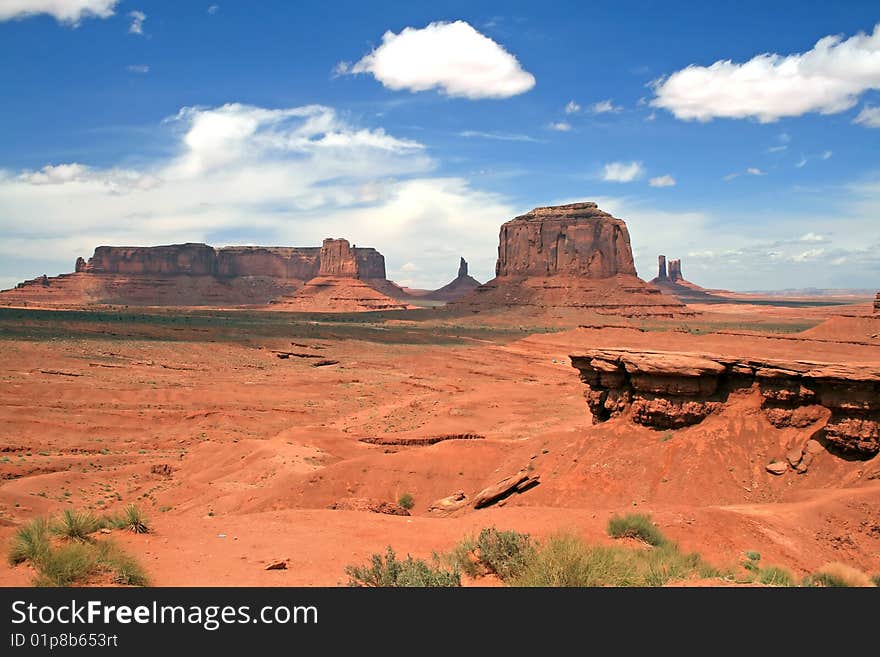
(197, 274)
(575, 256)
(577, 240)
(668, 390)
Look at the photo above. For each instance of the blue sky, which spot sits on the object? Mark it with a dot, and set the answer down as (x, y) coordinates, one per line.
(419, 129)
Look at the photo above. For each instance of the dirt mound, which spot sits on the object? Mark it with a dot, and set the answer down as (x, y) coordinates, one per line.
(337, 294)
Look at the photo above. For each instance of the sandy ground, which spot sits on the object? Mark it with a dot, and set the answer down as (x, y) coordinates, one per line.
(259, 446)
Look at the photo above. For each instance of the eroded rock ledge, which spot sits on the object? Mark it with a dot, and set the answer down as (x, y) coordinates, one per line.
(668, 390)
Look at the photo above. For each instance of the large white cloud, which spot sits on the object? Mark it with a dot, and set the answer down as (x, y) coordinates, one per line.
(452, 57)
(64, 11)
(827, 79)
(245, 174)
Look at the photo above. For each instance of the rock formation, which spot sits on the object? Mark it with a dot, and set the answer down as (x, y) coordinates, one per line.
(877, 303)
(668, 390)
(577, 239)
(460, 286)
(572, 255)
(671, 282)
(200, 275)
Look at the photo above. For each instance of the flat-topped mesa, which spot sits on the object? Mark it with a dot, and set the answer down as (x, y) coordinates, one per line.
(577, 239)
(191, 259)
(338, 258)
(667, 390)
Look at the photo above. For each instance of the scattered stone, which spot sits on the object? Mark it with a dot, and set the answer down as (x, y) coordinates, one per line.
(794, 456)
(449, 503)
(518, 482)
(325, 362)
(277, 565)
(777, 467)
(162, 470)
(373, 506)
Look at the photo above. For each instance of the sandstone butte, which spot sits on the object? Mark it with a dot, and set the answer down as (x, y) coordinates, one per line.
(572, 255)
(335, 276)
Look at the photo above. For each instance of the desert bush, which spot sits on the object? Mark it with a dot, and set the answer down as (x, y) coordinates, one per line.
(636, 525)
(388, 571)
(76, 525)
(751, 555)
(406, 501)
(131, 519)
(775, 576)
(838, 575)
(69, 564)
(502, 553)
(30, 542)
(125, 568)
(565, 560)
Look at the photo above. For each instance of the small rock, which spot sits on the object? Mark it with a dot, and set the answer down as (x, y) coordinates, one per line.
(104, 530)
(277, 565)
(813, 447)
(794, 456)
(777, 467)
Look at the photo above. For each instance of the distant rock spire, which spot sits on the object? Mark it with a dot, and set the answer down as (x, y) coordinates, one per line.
(661, 267)
(462, 268)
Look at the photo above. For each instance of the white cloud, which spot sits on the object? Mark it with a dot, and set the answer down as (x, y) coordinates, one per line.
(213, 9)
(139, 68)
(754, 171)
(869, 117)
(451, 57)
(622, 171)
(812, 237)
(826, 155)
(137, 22)
(801, 163)
(280, 176)
(777, 149)
(605, 107)
(572, 107)
(500, 136)
(560, 126)
(70, 12)
(805, 256)
(827, 79)
(662, 181)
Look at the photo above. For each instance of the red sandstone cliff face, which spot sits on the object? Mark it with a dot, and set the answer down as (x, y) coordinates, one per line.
(577, 239)
(198, 274)
(190, 259)
(671, 390)
(573, 256)
(338, 258)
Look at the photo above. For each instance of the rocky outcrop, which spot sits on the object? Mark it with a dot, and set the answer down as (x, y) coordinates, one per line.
(462, 285)
(338, 258)
(668, 390)
(577, 239)
(877, 303)
(661, 269)
(518, 482)
(675, 271)
(199, 275)
(575, 256)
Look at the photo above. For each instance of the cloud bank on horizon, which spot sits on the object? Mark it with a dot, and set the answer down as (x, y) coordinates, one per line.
(416, 168)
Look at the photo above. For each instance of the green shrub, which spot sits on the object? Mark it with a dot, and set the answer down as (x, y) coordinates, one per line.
(388, 571)
(775, 576)
(565, 560)
(406, 501)
(30, 542)
(502, 553)
(69, 564)
(838, 575)
(131, 519)
(636, 525)
(76, 525)
(125, 568)
(751, 555)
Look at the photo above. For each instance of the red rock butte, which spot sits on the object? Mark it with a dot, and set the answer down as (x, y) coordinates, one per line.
(352, 278)
(572, 255)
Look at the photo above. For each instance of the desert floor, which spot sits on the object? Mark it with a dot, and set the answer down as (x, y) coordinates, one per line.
(259, 446)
